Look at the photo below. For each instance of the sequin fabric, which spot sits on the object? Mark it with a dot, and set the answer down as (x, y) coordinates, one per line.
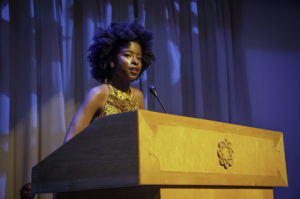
(119, 101)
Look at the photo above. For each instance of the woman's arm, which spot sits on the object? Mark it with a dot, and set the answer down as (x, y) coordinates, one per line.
(95, 100)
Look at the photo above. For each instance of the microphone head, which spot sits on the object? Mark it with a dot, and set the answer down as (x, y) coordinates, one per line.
(152, 90)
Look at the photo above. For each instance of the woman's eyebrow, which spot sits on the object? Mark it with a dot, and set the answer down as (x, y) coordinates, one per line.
(138, 53)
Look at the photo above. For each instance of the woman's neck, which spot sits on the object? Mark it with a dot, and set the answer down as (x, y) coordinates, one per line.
(121, 85)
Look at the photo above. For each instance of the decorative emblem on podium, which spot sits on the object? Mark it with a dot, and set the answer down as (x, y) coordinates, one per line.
(225, 153)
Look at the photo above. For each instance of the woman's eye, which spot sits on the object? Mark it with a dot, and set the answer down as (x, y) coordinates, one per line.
(127, 55)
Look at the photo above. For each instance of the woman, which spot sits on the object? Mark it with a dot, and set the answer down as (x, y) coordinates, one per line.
(118, 56)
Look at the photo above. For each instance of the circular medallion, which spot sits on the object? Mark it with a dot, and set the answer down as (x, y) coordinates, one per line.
(225, 153)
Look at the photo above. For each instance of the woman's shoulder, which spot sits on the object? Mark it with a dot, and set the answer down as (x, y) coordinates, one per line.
(99, 91)
(138, 95)
(136, 92)
(98, 94)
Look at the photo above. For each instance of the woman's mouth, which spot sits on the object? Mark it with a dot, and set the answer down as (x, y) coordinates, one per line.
(134, 71)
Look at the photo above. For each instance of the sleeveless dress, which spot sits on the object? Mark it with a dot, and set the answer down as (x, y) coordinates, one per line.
(117, 102)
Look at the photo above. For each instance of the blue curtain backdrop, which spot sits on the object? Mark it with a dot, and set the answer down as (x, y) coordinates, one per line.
(225, 60)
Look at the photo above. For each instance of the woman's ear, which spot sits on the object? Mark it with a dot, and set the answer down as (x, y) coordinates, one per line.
(112, 64)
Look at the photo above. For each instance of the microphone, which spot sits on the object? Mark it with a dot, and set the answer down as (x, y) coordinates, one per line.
(152, 90)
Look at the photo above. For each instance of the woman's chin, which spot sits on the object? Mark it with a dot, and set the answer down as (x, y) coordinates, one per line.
(133, 78)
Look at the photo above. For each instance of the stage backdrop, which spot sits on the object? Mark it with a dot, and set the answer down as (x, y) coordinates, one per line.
(230, 61)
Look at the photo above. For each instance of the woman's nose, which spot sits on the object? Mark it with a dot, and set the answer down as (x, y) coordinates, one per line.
(134, 61)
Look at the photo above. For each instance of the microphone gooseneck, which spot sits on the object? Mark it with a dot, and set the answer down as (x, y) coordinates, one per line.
(152, 90)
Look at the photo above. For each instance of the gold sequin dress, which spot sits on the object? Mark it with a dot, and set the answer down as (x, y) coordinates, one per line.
(119, 101)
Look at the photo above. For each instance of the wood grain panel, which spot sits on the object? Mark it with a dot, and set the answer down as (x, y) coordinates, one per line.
(182, 150)
(102, 155)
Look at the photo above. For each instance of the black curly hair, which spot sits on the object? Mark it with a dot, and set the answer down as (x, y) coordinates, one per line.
(107, 44)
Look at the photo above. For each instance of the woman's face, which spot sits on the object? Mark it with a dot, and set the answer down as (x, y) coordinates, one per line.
(129, 61)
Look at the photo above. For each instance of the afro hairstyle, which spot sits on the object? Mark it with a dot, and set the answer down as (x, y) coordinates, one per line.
(107, 43)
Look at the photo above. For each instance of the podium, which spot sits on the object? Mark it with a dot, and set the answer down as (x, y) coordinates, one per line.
(144, 154)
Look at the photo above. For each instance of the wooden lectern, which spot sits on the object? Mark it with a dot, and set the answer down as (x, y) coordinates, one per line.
(144, 154)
